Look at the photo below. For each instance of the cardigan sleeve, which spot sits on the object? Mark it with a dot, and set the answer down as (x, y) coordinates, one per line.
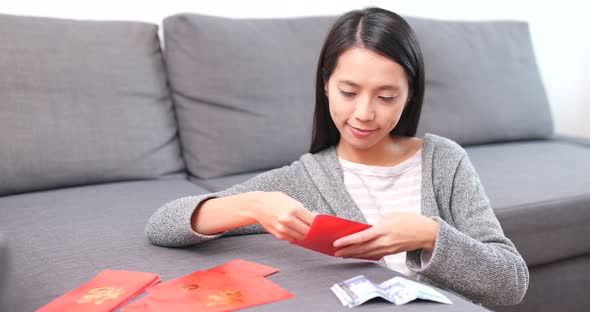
(170, 225)
(473, 257)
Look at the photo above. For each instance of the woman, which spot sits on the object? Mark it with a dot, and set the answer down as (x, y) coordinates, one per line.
(430, 215)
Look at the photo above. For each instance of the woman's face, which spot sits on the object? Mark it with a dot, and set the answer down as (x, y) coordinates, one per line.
(367, 93)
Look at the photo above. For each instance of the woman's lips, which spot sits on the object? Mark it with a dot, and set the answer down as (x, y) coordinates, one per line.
(361, 132)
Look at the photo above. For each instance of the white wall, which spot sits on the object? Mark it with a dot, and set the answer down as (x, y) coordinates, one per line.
(560, 31)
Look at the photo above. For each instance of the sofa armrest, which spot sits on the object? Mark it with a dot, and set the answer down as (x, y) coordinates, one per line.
(3, 269)
(585, 141)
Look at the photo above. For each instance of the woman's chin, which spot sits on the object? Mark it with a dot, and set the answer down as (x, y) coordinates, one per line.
(360, 144)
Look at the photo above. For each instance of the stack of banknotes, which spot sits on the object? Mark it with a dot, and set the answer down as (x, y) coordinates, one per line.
(398, 290)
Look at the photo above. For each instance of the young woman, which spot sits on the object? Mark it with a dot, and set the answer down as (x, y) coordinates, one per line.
(430, 215)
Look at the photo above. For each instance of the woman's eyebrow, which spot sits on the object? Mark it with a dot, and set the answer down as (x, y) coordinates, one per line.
(348, 82)
(389, 87)
(383, 87)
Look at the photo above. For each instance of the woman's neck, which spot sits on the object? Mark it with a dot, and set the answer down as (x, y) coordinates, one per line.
(388, 152)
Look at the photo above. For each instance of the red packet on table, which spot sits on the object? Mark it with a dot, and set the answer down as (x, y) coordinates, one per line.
(105, 292)
(179, 283)
(236, 267)
(211, 291)
(325, 229)
(139, 305)
(244, 268)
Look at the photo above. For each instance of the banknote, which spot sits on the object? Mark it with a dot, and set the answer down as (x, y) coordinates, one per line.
(397, 290)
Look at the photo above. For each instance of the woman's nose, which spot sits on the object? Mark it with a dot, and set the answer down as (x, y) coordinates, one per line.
(364, 110)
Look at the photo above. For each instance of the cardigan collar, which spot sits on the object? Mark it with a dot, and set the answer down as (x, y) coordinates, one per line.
(330, 182)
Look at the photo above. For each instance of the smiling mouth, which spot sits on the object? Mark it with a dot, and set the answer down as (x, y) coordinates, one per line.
(361, 133)
(363, 130)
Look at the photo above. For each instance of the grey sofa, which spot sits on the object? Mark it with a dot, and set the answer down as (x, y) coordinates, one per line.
(3, 267)
(100, 126)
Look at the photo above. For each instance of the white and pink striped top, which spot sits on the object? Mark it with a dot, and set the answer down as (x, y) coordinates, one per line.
(379, 190)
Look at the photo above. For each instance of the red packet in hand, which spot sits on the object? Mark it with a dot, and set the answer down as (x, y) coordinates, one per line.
(325, 229)
(212, 291)
(105, 292)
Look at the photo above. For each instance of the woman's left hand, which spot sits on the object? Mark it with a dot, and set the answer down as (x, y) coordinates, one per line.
(396, 232)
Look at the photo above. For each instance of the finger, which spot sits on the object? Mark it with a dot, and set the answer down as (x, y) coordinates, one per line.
(285, 232)
(300, 227)
(281, 234)
(357, 250)
(273, 233)
(386, 251)
(352, 254)
(356, 238)
(305, 216)
(380, 253)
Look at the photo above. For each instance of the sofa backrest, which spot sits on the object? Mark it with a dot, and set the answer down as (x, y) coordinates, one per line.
(244, 88)
(482, 82)
(82, 102)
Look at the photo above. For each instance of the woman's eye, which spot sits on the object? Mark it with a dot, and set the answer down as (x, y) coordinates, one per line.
(387, 98)
(346, 93)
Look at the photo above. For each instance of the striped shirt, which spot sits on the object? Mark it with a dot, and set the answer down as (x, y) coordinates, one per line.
(378, 191)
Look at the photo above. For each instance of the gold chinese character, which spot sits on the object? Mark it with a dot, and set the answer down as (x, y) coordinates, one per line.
(224, 297)
(100, 294)
(189, 287)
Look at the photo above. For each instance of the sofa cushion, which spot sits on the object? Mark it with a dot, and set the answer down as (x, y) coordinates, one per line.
(540, 192)
(243, 89)
(82, 102)
(482, 82)
(558, 286)
(63, 238)
(222, 183)
(584, 141)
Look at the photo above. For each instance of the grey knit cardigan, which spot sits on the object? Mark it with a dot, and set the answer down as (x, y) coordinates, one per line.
(471, 255)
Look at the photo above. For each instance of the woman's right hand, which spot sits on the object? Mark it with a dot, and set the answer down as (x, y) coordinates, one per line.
(281, 215)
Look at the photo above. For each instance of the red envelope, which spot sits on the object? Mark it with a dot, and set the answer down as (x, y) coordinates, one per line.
(244, 268)
(175, 283)
(325, 229)
(140, 305)
(105, 292)
(210, 291)
(236, 267)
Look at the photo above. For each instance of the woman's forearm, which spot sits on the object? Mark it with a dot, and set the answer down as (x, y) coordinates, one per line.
(278, 213)
(225, 213)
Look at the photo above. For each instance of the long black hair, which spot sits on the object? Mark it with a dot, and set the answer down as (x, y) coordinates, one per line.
(383, 32)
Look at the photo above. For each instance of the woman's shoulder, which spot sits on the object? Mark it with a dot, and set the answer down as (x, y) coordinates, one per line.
(440, 144)
(442, 154)
(320, 163)
(327, 153)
